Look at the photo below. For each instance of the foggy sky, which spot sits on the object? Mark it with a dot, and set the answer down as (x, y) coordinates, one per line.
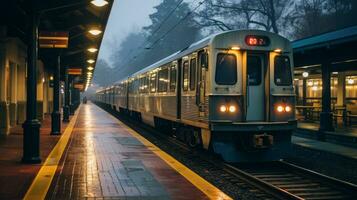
(125, 16)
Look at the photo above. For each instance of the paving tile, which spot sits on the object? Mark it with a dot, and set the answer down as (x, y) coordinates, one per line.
(104, 161)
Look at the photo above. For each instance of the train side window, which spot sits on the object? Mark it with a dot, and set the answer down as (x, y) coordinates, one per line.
(192, 74)
(163, 79)
(142, 83)
(226, 69)
(173, 71)
(282, 71)
(146, 86)
(185, 76)
(152, 81)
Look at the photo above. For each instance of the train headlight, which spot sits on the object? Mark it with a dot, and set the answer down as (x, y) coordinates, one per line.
(223, 108)
(287, 108)
(280, 108)
(232, 109)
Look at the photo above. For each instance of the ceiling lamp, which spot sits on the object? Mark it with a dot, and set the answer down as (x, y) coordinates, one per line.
(90, 68)
(89, 73)
(92, 50)
(91, 61)
(95, 31)
(99, 3)
(305, 74)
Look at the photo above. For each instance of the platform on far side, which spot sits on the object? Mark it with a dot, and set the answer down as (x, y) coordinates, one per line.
(106, 159)
(337, 149)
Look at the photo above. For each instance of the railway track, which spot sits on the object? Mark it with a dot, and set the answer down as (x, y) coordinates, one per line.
(288, 181)
(272, 180)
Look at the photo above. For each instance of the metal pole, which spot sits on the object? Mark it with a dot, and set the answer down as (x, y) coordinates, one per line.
(66, 98)
(31, 139)
(326, 115)
(56, 115)
(72, 97)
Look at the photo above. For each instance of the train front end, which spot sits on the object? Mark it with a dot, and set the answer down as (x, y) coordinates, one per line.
(251, 96)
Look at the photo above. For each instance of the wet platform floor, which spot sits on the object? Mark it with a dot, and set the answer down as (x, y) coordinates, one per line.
(103, 160)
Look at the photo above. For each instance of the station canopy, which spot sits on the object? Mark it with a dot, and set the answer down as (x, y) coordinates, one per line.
(83, 21)
(337, 47)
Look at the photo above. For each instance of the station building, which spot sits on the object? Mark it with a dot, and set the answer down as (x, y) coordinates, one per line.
(326, 79)
(48, 52)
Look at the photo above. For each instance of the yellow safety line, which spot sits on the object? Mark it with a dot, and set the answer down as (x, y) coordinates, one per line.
(207, 188)
(44, 177)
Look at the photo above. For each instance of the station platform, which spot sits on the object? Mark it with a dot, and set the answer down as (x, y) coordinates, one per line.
(346, 136)
(98, 157)
(332, 148)
(15, 177)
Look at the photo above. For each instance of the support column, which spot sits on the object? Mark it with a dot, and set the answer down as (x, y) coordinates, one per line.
(56, 115)
(326, 123)
(71, 94)
(66, 98)
(31, 139)
(304, 85)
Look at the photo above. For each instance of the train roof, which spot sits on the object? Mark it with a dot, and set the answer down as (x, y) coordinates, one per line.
(193, 47)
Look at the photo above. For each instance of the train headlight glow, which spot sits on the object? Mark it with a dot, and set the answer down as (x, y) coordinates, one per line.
(287, 108)
(223, 108)
(232, 109)
(280, 108)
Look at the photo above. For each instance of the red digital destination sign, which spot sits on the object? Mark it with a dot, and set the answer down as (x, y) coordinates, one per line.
(257, 40)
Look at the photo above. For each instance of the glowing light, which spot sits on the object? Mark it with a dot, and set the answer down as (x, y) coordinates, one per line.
(99, 3)
(232, 109)
(280, 108)
(91, 61)
(90, 68)
(95, 31)
(235, 48)
(51, 78)
(305, 74)
(310, 83)
(89, 73)
(223, 108)
(92, 50)
(277, 50)
(287, 108)
(350, 81)
(315, 88)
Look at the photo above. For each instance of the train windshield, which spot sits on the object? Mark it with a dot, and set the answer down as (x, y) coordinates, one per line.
(226, 69)
(282, 71)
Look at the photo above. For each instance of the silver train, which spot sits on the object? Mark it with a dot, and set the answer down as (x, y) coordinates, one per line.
(231, 93)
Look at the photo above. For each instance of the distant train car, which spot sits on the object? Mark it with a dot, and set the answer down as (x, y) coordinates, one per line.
(231, 92)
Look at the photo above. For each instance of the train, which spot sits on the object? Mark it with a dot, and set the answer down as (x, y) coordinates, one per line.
(231, 93)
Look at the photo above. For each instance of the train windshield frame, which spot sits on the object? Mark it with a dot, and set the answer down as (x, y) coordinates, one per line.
(282, 71)
(226, 69)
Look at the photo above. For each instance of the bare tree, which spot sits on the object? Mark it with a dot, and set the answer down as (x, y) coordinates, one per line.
(264, 14)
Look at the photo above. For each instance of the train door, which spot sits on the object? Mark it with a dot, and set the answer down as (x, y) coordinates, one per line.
(201, 83)
(255, 87)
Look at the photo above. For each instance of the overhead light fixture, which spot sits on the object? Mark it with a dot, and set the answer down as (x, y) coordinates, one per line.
(277, 50)
(90, 68)
(89, 73)
(95, 31)
(305, 74)
(91, 61)
(99, 3)
(235, 48)
(350, 81)
(92, 50)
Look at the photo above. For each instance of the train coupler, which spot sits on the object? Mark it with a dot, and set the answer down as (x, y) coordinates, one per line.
(261, 141)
